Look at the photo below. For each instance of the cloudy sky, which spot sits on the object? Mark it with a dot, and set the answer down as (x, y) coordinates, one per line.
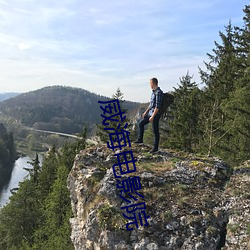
(100, 45)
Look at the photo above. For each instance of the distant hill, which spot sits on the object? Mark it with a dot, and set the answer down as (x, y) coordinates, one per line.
(58, 108)
(5, 96)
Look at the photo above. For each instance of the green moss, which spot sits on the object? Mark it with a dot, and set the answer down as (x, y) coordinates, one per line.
(248, 228)
(181, 188)
(147, 166)
(156, 167)
(110, 218)
(166, 216)
(212, 231)
(98, 176)
(174, 160)
(147, 155)
(183, 202)
(195, 163)
(246, 165)
(194, 220)
(161, 196)
(233, 227)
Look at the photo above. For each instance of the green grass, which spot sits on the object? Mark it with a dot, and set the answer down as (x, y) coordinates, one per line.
(248, 228)
(233, 227)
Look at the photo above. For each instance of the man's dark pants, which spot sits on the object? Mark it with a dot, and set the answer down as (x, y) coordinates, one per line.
(155, 126)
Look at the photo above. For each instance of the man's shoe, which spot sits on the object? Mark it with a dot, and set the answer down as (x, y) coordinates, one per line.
(154, 150)
(138, 141)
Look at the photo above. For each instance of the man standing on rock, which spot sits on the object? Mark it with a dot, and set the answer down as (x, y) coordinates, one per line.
(152, 114)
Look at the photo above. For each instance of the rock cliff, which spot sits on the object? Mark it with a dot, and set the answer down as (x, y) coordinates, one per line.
(193, 202)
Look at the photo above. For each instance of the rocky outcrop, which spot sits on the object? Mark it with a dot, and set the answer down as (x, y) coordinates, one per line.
(236, 200)
(192, 202)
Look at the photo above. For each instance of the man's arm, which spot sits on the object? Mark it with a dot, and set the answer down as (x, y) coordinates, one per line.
(159, 96)
(146, 111)
(156, 110)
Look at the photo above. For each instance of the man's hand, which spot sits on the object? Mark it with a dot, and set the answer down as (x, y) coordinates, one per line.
(156, 110)
(144, 114)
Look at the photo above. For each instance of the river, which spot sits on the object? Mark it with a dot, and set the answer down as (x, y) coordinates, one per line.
(17, 175)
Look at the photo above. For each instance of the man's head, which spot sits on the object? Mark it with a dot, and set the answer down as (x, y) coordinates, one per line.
(153, 83)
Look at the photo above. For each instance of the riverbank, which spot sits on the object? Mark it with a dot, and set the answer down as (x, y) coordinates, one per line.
(18, 174)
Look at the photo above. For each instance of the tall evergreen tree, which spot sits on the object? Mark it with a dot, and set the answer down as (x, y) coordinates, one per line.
(237, 106)
(104, 134)
(81, 143)
(47, 174)
(34, 172)
(37, 216)
(8, 153)
(219, 79)
(183, 128)
(55, 230)
(20, 217)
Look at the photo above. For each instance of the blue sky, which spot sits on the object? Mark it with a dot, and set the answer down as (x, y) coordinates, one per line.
(100, 45)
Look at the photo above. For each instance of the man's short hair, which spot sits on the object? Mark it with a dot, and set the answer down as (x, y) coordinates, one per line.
(155, 81)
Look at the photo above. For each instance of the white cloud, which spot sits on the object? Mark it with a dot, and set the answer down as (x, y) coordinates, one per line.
(100, 45)
(23, 46)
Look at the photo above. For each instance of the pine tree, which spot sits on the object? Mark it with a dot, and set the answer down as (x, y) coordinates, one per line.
(220, 79)
(81, 143)
(104, 134)
(239, 141)
(48, 171)
(237, 106)
(55, 230)
(38, 214)
(149, 134)
(67, 154)
(183, 128)
(242, 38)
(35, 170)
(118, 95)
(20, 217)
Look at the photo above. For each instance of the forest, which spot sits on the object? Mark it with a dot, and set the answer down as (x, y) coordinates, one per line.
(213, 120)
(37, 216)
(55, 108)
(7, 154)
